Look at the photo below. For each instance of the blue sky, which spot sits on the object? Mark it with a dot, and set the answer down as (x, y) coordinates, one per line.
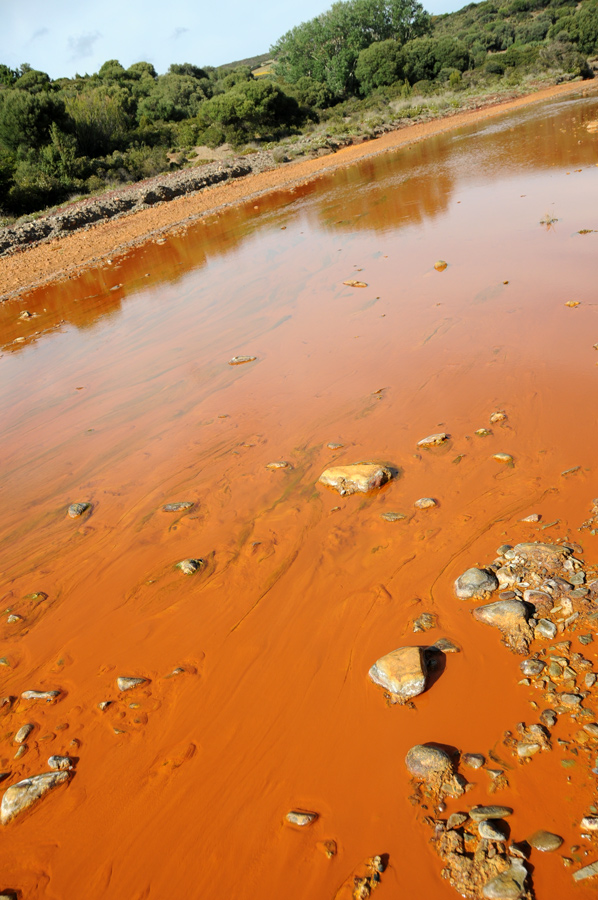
(63, 37)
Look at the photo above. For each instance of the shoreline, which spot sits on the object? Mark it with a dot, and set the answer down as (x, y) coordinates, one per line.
(65, 257)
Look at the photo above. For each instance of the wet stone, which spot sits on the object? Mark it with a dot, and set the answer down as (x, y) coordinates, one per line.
(587, 872)
(48, 696)
(177, 507)
(570, 700)
(493, 830)
(475, 584)
(510, 617)
(279, 464)
(359, 478)
(498, 416)
(478, 813)
(526, 750)
(425, 503)
(433, 440)
(23, 733)
(301, 818)
(531, 666)
(545, 841)
(239, 360)
(455, 820)
(428, 763)
(548, 717)
(445, 646)
(509, 885)
(19, 797)
(424, 622)
(127, 683)
(77, 509)
(586, 639)
(592, 729)
(334, 446)
(545, 629)
(402, 673)
(589, 823)
(540, 599)
(473, 760)
(189, 566)
(505, 458)
(392, 516)
(60, 763)
(519, 849)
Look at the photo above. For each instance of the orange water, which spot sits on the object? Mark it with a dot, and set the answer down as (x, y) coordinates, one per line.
(125, 398)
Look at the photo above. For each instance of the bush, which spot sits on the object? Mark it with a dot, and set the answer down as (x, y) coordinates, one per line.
(255, 107)
(379, 64)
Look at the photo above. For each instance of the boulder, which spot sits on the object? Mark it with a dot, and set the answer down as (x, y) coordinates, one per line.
(510, 617)
(24, 794)
(475, 584)
(358, 478)
(509, 885)
(402, 673)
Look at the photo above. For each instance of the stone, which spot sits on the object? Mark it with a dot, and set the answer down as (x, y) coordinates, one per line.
(592, 729)
(505, 458)
(20, 796)
(510, 617)
(548, 718)
(444, 645)
(589, 823)
(21, 751)
(549, 556)
(498, 416)
(126, 683)
(189, 566)
(23, 733)
(540, 600)
(333, 445)
(300, 818)
(177, 507)
(358, 478)
(425, 503)
(534, 517)
(531, 666)
(279, 464)
(104, 704)
(239, 360)
(570, 700)
(428, 763)
(440, 265)
(455, 820)
(473, 760)
(433, 440)
(545, 629)
(477, 813)
(509, 885)
(392, 516)
(77, 509)
(545, 841)
(402, 672)
(475, 584)
(526, 750)
(424, 622)
(328, 848)
(493, 830)
(48, 696)
(586, 872)
(60, 763)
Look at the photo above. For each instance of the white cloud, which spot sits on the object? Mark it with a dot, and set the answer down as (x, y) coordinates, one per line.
(82, 47)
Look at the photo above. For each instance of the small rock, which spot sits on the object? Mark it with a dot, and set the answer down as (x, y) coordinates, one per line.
(177, 507)
(493, 830)
(570, 700)
(60, 763)
(19, 797)
(428, 763)
(592, 729)
(440, 265)
(21, 751)
(23, 733)
(48, 696)
(540, 599)
(359, 478)
(531, 666)
(589, 823)
(510, 617)
(505, 458)
(126, 683)
(104, 704)
(402, 672)
(546, 555)
(473, 760)
(239, 360)
(77, 509)
(279, 464)
(545, 629)
(425, 503)
(356, 284)
(586, 872)
(444, 645)
(545, 841)
(455, 820)
(590, 679)
(424, 622)
(12, 619)
(334, 446)
(548, 717)
(7, 894)
(534, 517)
(300, 818)
(475, 584)
(519, 849)
(433, 440)
(483, 432)
(490, 812)
(328, 848)
(525, 750)
(392, 516)
(498, 416)
(509, 885)
(189, 566)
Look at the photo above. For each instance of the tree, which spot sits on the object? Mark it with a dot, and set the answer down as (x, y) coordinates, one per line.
(25, 118)
(187, 69)
(33, 81)
(7, 76)
(112, 71)
(379, 64)
(425, 57)
(173, 98)
(141, 70)
(100, 119)
(327, 48)
(250, 108)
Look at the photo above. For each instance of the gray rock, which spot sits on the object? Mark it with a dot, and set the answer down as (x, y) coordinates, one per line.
(455, 820)
(48, 696)
(531, 666)
(510, 617)
(586, 872)
(509, 885)
(279, 464)
(19, 797)
(475, 584)
(7, 894)
(333, 445)
(104, 704)
(545, 841)
(402, 672)
(23, 733)
(177, 507)
(548, 717)
(126, 683)
(590, 679)
(545, 629)
(428, 763)
(60, 763)
(570, 700)
(473, 760)
(493, 830)
(77, 509)
(300, 818)
(189, 566)
(490, 812)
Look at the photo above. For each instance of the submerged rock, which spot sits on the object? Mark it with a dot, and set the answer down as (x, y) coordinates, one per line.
(475, 584)
(392, 516)
(279, 464)
(358, 478)
(434, 440)
(587, 872)
(77, 509)
(425, 503)
(509, 885)
(504, 458)
(510, 617)
(60, 763)
(402, 673)
(177, 507)
(477, 813)
(189, 566)
(428, 763)
(301, 818)
(24, 794)
(239, 360)
(127, 683)
(545, 841)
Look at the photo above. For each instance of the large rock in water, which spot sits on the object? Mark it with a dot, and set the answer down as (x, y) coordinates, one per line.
(509, 885)
(510, 616)
(402, 673)
(475, 584)
(24, 794)
(362, 477)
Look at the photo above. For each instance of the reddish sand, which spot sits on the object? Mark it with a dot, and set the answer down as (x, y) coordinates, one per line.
(118, 392)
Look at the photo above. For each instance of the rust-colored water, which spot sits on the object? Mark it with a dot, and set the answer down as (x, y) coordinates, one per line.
(123, 397)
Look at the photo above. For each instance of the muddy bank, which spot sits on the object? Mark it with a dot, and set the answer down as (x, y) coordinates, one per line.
(69, 240)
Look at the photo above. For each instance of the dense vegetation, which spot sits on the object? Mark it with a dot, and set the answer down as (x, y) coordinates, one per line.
(79, 135)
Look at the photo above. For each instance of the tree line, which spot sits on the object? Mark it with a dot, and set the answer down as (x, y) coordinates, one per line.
(77, 135)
